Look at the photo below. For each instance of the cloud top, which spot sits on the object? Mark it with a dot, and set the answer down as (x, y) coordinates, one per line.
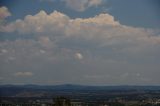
(4, 12)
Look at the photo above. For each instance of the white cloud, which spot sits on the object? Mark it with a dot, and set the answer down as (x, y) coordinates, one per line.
(82, 5)
(102, 29)
(100, 41)
(78, 56)
(40, 23)
(100, 20)
(23, 74)
(4, 12)
(79, 5)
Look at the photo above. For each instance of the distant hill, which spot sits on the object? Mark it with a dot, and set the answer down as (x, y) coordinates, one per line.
(67, 89)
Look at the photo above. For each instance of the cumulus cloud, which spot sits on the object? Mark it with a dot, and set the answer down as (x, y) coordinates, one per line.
(101, 41)
(23, 74)
(82, 5)
(101, 19)
(4, 12)
(102, 29)
(40, 23)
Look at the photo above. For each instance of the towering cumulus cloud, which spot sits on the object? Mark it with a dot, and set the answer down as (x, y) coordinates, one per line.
(87, 47)
(102, 29)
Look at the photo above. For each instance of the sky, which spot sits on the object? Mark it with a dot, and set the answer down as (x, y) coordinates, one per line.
(86, 42)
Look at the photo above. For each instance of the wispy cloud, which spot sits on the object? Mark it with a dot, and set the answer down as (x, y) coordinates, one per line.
(23, 74)
(78, 5)
(82, 5)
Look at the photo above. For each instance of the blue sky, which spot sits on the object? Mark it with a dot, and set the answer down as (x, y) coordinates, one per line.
(89, 42)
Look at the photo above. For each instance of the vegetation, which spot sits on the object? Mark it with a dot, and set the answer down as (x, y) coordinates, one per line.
(62, 101)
